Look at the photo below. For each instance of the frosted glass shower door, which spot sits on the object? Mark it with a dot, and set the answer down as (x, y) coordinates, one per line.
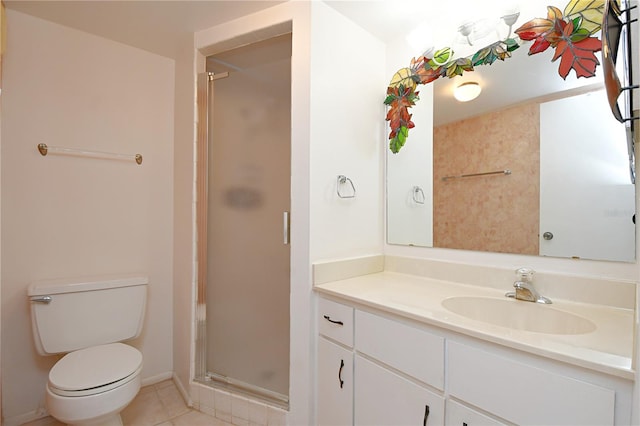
(249, 175)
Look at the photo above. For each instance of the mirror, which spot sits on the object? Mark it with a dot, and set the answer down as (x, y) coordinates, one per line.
(535, 165)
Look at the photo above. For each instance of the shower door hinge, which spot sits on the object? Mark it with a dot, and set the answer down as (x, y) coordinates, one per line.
(217, 76)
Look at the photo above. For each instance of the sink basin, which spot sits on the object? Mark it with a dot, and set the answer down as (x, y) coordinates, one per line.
(519, 315)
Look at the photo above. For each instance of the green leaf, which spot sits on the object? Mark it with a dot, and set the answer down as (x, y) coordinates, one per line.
(398, 142)
(512, 44)
(577, 22)
(440, 57)
(579, 35)
(394, 145)
(389, 99)
(459, 66)
(480, 56)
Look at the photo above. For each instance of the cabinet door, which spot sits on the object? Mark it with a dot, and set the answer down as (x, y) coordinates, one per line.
(383, 397)
(524, 394)
(459, 415)
(335, 384)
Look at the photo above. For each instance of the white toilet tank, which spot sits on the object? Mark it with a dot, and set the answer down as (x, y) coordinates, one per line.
(67, 315)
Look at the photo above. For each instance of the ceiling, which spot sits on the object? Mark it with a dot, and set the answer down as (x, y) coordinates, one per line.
(155, 26)
(159, 26)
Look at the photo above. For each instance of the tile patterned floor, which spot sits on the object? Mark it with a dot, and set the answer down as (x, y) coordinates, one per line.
(155, 405)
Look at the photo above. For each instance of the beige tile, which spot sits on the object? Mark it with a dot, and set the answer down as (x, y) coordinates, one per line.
(45, 421)
(226, 417)
(207, 410)
(195, 392)
(164, 384)
(222, 403)
(236, 421)
(145, 410)
(207, 398)
(145, 389)
(257, 414)
(276, 417)
(194, 418)
(172, 400)
(239, 408)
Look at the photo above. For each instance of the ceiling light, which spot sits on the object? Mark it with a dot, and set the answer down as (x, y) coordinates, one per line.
(467, 91)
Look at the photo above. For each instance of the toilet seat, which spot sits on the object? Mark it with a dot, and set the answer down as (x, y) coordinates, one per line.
(95, 370)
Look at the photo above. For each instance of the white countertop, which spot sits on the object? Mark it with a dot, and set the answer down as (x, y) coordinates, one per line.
(608, 349)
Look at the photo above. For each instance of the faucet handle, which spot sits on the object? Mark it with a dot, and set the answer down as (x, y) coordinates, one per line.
(524, 274)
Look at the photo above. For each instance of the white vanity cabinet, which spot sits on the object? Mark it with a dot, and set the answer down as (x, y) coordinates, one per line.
(399, 371)
(392, 374)
(335, 364)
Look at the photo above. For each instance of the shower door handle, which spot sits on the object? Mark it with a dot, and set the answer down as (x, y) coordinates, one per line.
(286, 225)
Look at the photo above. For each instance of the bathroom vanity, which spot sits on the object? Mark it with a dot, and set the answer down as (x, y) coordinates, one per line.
(390, 353)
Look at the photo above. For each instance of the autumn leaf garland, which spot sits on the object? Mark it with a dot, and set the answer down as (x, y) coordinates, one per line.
(569, 32)
(401, 99)
(570, 36)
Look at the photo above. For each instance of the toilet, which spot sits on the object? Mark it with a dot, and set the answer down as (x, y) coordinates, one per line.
(87, 320)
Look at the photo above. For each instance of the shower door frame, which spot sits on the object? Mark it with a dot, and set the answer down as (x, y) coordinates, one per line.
(201, 375)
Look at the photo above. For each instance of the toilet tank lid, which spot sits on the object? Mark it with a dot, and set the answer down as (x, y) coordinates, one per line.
(72, 285)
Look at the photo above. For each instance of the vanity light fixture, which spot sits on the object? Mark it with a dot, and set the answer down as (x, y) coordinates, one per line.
(467, 91)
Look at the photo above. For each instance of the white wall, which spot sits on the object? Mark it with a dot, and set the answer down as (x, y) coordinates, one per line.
(347, 92)
(2, 20)
(68, 216)
(183, 226)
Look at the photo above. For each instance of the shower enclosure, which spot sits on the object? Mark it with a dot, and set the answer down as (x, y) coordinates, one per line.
(243, 204)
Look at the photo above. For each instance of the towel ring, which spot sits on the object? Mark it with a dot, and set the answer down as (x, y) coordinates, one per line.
(418, 195)
(343, 181)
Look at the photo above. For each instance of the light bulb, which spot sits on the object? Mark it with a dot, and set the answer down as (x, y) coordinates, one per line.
(467, 91)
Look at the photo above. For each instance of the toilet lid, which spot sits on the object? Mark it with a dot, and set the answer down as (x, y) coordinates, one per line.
(94, 367)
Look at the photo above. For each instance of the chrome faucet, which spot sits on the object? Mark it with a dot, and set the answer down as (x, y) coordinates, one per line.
(524, 287)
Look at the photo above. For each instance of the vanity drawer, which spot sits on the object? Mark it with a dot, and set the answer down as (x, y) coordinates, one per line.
(523, 394)
(409, 349)
(335, 321)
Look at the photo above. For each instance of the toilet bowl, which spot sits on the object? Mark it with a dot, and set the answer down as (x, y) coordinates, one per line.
(91, 386)
(88, 319)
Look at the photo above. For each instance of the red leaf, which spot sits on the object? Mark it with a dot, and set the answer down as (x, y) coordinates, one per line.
(428, 75)
(540, 45)
(398, 113)
(544, 32)
(534, 29)
(578, 56)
